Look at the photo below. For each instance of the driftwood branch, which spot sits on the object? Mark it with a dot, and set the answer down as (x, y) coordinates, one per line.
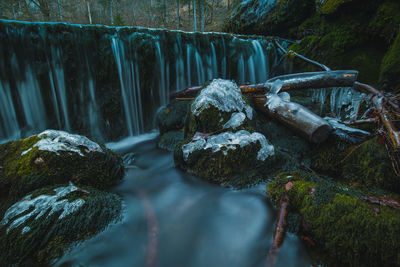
(280, 229)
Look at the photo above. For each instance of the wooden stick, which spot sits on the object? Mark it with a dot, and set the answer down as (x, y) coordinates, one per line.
(280, 229)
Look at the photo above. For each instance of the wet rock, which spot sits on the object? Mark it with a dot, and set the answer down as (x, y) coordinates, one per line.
(220, 106)
(226, 158)
(57, 216)
(169, 140)
(173, 116)
(56, 157)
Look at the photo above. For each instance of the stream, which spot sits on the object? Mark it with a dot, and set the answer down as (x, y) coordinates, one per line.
(171, 218)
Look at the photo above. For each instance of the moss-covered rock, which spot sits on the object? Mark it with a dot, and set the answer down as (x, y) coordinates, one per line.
(219, 106)
(173, 116)
(169, 140)
(56, 157)
(268, 17)
(349, 230)
(370, 165)
(226, 158)
(57, 216)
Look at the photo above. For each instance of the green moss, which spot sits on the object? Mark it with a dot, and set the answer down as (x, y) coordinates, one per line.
(36, 169)
(386, 21)
(347, 229)
(57, 235)
(331, 6)
(390, 68)
(370, 165)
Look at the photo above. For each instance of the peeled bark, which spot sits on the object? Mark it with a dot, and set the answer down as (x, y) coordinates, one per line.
(297, 117)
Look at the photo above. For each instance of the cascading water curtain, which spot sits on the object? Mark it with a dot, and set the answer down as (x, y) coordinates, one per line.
(107, 82)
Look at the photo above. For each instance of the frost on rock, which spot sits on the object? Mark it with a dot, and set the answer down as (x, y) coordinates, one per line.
(235, 121)
(224, 95)
(39, 206)
(55, 141)
(229, 141)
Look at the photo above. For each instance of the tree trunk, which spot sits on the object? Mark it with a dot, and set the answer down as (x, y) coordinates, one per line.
(165, 13)
(89, 13)
(189, 14)
(202, 16)
(194, 17)
(177, 15)
(111, 12)
(60, 16)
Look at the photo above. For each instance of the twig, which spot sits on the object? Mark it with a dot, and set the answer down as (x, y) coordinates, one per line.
(290, 52)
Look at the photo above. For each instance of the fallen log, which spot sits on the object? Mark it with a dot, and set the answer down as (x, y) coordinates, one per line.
(295, 116)
(306, 80)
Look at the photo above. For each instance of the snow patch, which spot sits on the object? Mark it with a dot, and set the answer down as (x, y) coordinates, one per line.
(55, 141)
(229, 141)
(40, 206)
(224, 95)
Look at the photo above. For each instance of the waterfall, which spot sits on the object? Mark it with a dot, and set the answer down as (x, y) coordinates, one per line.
(129, 79)
(9, 127)
(108, 82)
(57, 82)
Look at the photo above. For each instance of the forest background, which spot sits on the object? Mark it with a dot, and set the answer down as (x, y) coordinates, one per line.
(187, 15)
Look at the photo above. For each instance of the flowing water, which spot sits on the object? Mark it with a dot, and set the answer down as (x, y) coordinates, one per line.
(174, 219)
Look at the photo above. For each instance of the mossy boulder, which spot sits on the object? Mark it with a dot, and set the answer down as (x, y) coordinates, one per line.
(219, 106)
(169, 140)
(56, 157)
(235, 158)
(268, 17)
(349, 230)
(173, 116)
(367, 163)
(44, 224)
(370, 165)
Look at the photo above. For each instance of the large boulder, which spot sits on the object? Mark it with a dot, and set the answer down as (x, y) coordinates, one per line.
(56, 157)
(219, 106)
(42, 225)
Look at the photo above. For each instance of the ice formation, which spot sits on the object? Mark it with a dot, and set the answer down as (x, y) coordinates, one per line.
(55, 141)
(340, 97)
(40, 205)
(229, 141)
(224, 95)
(235, 121)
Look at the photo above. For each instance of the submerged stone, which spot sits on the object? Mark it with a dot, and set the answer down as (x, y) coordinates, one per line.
(57, 217)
